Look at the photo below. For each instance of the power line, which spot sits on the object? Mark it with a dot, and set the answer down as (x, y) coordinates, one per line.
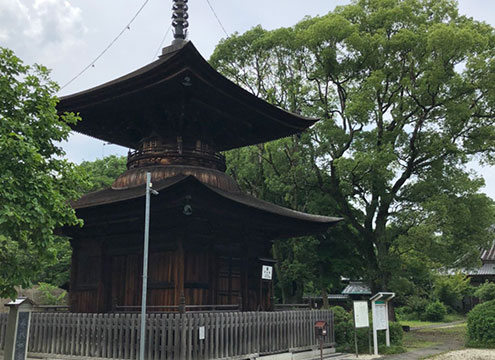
(91, 64)
(161, 43)
(214, 13)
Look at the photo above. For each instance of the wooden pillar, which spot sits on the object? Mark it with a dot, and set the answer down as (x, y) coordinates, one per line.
(73, 274)
(244, 275)
(105, 302)
(179, 275)
(212, 274)
(101, 288)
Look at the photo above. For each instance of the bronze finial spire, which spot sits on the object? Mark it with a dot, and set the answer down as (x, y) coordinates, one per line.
(179, 20)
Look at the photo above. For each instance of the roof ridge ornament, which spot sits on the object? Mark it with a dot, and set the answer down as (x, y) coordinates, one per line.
(179, 21)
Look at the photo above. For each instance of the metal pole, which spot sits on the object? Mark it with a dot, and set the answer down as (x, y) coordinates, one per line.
(369, 339)
(321, 347)
(145, 266)
(355, 332)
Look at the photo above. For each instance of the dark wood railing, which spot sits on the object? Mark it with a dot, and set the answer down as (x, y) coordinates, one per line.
(172, 154)
(282, 307)
(177, 308)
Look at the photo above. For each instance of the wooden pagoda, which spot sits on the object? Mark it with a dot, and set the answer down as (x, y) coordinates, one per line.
(208, 240)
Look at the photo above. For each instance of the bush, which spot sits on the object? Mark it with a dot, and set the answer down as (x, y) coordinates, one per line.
(451, 289)
(51, 295)
(405, 313)
(435, 311)
(341, 320)
(481, 325)
(340, 314)
(486, 292)
(417, 304)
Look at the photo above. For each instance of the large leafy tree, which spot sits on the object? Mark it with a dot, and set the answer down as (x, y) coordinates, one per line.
(36, 182)
(405, 90)
(103, 172)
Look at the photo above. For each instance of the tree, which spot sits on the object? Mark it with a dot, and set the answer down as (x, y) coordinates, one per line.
(103, 172)
(406, 96)
(36, 181)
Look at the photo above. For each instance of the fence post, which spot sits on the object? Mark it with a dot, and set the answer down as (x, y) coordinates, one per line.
(240, 302)
(182, 304)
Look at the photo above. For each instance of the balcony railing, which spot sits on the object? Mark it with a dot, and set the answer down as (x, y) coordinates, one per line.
(176, 155)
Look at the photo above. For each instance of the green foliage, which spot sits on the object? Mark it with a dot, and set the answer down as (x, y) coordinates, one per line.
(486, 292)
(417, 304)
(57, 272)
(435, 311)
(481, 325)
(51, 295)
(404, 91)
(36, 181)
(451, 289)
(103, 172)
(340, 314)
(341, 320)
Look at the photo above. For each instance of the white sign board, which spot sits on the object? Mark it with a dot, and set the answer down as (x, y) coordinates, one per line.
(361, 318)
(381, 316)
(266, 272)
(201, 333)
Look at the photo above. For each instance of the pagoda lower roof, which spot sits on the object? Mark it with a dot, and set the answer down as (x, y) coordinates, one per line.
(179, 94)
(217, 206)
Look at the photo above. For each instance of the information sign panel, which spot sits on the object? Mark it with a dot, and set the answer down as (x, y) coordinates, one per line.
(21, 339)
(381, 316)
(361, 314)
(266, 272)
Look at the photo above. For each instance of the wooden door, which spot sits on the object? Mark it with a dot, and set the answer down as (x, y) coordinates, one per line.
(228, 287)
(126, 280)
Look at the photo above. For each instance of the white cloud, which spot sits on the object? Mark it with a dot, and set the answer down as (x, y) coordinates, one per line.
(41, 30)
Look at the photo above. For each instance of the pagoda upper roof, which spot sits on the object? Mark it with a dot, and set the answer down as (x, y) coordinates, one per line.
(179, 94)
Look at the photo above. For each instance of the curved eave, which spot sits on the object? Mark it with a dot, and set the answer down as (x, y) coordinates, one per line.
(300, 223)
(243, 108)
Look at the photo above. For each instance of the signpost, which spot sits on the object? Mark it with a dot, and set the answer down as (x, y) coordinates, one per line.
(361, 319)
(379, 309)
(17, 338)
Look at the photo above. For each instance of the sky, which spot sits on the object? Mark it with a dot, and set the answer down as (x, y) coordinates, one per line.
(66, 36)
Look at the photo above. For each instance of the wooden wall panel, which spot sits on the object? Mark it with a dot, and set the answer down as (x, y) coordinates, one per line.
(218, 275)
(133, 280)
(197, 277)
(161, 274)
(84, 301)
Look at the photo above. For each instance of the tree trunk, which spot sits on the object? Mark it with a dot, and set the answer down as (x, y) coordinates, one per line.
(324, 296)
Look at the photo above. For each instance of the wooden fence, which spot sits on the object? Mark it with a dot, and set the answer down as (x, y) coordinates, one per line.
(175, 336)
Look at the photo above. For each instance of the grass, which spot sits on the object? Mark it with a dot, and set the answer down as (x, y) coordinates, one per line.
(425, 338)
(418, 323)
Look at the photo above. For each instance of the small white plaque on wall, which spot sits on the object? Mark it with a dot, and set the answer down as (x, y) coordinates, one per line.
(266, 272)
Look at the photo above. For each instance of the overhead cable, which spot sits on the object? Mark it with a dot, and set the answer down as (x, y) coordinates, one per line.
(91, 64)
(161, 43)
(214, 13)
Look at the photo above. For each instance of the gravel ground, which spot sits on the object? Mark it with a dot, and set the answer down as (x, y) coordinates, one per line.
(468, 354)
